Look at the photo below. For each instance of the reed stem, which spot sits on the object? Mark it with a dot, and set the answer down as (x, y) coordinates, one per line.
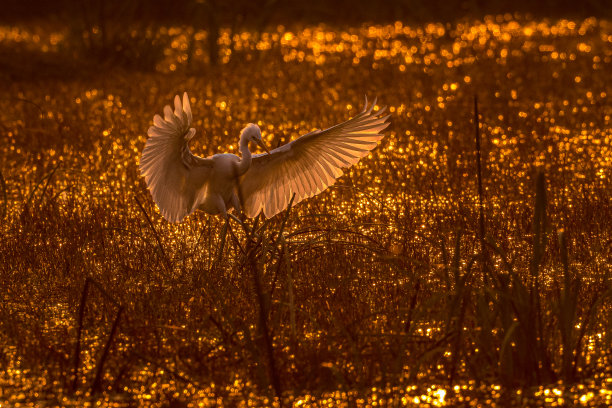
(481, 220)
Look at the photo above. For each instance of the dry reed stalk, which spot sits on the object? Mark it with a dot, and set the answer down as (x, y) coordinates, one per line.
(156, 235)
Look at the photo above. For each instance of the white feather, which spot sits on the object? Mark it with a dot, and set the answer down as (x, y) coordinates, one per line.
(181, 182)
(166, 162)
(309, 164)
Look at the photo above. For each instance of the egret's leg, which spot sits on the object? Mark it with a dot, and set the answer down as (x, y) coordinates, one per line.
(241, 219)
(236, 203)
(220, 204)
(222, 245)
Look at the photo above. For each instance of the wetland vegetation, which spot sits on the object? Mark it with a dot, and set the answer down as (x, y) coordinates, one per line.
(433, 272)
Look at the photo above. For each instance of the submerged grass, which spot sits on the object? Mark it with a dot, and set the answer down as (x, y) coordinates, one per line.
(433, 272)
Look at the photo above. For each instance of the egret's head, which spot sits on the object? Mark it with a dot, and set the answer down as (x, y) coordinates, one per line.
(252, 133)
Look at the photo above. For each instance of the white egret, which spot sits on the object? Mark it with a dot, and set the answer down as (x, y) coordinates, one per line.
(181, 182)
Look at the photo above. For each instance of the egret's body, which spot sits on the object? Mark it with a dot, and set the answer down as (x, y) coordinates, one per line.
(181, 182)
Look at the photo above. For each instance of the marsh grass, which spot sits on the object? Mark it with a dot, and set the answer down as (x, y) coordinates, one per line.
(509, 331)
(253, 315)
(406, 274)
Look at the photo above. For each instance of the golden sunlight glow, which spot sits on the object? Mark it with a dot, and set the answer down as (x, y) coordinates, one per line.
(408, 212)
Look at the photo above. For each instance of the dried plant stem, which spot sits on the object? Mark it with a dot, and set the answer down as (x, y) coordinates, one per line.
(263, 324)
(77, 346)
(46, 179)
(290, 293)
(251, 254)
(97, 383)
(481, 220)
(155, 234)
(4, 197)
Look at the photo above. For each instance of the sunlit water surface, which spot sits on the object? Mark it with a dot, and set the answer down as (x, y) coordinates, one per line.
(544, 91)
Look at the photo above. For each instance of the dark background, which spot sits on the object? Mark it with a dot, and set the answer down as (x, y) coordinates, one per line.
(117, 33)
(264, 12)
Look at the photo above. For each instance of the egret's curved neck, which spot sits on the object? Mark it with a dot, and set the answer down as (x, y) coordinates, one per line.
(245, 161)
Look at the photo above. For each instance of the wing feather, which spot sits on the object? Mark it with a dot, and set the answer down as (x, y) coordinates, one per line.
(297, 186)
(307, 177)
(340, 160)
(167, 163)
(318, 177)
(309, 164)
(334, 170)
(279, 195)
(327, 173)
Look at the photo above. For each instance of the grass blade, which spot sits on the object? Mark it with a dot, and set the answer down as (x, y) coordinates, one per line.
(156, 235)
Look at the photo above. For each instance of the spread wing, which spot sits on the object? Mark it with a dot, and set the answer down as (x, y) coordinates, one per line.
(175, 177)
(309, 164)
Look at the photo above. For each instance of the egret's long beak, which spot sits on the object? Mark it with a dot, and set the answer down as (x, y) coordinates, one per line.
(263, 146)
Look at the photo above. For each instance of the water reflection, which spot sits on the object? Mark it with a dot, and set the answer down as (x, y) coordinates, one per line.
(69, 157)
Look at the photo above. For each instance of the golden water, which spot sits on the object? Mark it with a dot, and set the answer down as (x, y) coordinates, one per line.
(544, 99)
